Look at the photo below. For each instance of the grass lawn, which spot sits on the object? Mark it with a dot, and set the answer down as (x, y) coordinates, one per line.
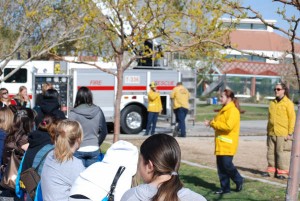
(205, 111)
(205, 182)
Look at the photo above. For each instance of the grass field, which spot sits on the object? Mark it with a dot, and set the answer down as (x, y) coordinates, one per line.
(205, 182)
(205, 111)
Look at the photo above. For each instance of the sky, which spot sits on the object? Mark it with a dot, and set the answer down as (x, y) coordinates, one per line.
(268, 10)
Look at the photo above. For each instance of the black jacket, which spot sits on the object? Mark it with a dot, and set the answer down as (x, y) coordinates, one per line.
(49, 107)
(37, 140)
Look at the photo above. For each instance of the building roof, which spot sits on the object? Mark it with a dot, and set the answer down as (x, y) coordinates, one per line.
(260, 40)
(252, 68)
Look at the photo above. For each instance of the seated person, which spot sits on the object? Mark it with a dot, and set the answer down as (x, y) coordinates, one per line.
(158, 166)
(94, 183)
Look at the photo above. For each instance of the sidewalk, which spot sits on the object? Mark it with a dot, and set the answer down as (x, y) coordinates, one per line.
(248, 128)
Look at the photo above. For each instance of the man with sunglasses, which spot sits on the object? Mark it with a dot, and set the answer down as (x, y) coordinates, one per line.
(280, 131)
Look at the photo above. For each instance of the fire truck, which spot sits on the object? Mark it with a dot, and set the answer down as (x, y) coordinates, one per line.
(68, 77)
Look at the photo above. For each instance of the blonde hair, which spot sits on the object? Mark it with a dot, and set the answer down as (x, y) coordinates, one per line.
(6, 119)
(19, 96)
(67, 134)
(46, 86)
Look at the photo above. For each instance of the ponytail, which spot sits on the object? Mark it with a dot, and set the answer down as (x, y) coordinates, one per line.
(165, 154)
(168, 190)
(68, 133)
(230, 94)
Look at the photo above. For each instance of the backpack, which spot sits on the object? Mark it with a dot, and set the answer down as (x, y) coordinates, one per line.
(30, 178)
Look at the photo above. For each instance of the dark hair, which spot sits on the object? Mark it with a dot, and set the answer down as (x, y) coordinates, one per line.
(230, 94)
(164, 152)
(22, 124)
(286, 89)
(46, 122)
(83, 96)
(49, 124)
(51, 94)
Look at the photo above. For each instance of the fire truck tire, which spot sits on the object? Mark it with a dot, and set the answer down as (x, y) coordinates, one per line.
(133, 119)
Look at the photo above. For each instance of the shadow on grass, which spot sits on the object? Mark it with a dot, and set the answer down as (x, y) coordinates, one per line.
(253, 171)
(208, 189)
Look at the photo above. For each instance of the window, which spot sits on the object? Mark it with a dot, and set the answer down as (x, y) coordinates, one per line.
(18, 77)
(259, 26)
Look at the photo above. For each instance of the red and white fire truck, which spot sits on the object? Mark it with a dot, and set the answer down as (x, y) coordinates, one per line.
(68, 77)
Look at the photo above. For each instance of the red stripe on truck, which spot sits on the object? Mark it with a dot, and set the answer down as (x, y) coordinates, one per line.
(127, 88)
(100, 88)
(135, 88)
(166, 88)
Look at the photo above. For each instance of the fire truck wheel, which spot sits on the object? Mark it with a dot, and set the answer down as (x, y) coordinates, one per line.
(132, 119)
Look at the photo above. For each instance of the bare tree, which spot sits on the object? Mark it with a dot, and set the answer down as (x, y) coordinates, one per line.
(36, 27)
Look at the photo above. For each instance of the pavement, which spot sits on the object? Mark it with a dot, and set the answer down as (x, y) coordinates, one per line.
(198, 129)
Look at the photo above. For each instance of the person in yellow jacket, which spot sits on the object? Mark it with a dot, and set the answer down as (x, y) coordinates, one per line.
(227, 128)
(180, 96)
(280, 131)
(154, 108)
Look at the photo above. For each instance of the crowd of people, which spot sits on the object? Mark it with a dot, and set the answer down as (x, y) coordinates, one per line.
(66, 151)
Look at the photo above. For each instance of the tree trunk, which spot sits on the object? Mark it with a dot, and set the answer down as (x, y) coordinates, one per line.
(117, 112)
(294, 172)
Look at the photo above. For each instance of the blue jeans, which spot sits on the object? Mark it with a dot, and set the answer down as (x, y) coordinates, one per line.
(227, 171)
(88, 158)
(152, 119)
(180, 114)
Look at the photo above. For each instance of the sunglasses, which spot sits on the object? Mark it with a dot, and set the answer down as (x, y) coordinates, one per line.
(277, 89)
(4, 93)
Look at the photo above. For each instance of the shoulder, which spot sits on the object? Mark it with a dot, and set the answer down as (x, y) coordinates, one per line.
(187, 194)
(141, 192)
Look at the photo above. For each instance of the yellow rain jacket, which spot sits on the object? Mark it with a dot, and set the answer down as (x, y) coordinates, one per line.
(180, 96)
(154, 102)
(282, 117)
(227, 128)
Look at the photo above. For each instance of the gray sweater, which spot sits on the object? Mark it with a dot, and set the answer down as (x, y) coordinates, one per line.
(145, 192)
(93, 124)
(57, 178)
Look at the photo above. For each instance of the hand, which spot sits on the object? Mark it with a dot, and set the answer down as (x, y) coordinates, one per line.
(26, 97)
(207, 122)
(289, 137)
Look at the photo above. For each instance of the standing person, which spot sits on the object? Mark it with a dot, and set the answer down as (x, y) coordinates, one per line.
(154, 108)
(39, 97)
(49, 106)
(22, 99)
(280, 131)
(5, 100)
(93, 124)
(180, 96)
(158, 166)
(61, 168)
(227, 128)
(6, 122)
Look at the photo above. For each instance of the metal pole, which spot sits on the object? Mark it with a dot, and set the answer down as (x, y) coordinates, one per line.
(293, 180)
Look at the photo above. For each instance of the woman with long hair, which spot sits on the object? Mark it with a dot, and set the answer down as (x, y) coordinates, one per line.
(6, 122)
(158, 166)
(227, 129)
(5, 100)
(22, 99)
(17, 138)
(93, 123)
(61, 168)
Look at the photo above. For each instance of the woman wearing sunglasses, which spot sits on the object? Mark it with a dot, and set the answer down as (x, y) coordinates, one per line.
(5, 100)
(280, 130)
